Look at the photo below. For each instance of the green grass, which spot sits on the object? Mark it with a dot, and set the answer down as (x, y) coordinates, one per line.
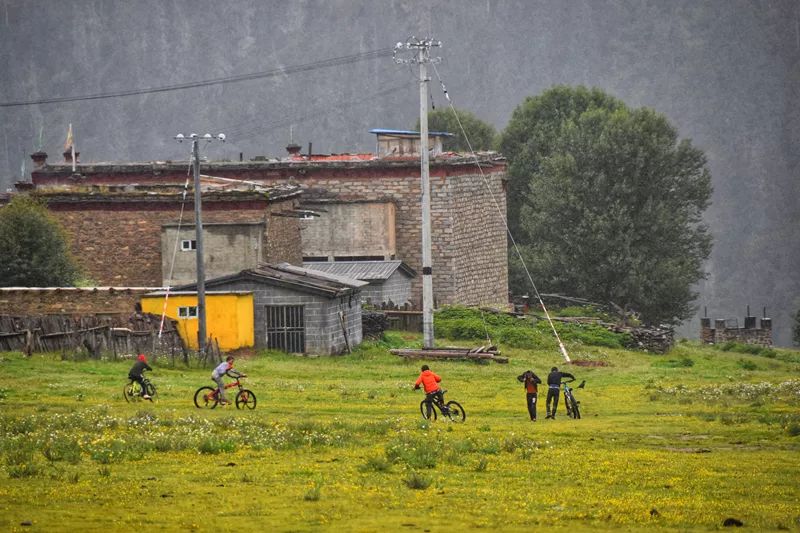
(337, 443)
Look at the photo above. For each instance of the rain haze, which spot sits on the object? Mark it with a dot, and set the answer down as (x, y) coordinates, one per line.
(726, 74)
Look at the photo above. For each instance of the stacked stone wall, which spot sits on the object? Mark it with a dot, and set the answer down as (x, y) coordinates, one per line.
(722, 333)
(70, 301)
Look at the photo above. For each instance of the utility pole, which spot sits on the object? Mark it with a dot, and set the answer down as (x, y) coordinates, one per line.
(202, 333)
(423, 57)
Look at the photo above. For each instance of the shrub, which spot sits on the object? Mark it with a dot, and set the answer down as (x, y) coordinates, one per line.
(376, 464)
(747, 365)
(313, 493)
(520, 337)
(417, 481)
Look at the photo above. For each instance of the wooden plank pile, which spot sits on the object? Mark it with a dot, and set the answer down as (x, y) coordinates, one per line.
(489, 353)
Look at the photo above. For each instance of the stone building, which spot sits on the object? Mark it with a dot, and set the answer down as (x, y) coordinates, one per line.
(353, 207)
(389, 282)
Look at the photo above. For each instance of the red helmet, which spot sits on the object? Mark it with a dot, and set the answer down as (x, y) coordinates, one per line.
(142, 357)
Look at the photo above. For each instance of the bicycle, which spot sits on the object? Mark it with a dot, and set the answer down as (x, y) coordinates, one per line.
(132, 392)
(208, 397)
(573, 405)
(451, 410)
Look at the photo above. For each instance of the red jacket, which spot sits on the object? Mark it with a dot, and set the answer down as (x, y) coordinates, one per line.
(429, 381)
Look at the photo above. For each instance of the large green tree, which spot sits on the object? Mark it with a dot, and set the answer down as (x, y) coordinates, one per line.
(33, 247)
(481, 135)
(608, 203)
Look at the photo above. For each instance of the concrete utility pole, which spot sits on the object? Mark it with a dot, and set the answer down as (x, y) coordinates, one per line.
(202, 334)
(423, 49)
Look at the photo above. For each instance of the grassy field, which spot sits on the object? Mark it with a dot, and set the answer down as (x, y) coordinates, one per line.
(683, 441)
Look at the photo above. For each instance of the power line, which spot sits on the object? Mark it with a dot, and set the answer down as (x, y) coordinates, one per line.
(325, 63)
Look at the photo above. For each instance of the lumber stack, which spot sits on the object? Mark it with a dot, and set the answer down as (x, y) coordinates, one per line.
(489, 353)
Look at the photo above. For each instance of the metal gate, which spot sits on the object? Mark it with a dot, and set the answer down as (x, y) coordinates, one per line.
(285, 328)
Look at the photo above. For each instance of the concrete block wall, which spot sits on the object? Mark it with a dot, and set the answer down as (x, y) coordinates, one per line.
(323, 330)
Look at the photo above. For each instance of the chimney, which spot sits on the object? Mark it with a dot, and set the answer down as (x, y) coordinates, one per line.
(39, 159)
(68, 157)
(293, 149)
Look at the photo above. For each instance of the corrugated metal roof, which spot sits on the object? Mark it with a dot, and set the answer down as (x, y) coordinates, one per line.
(364, 270)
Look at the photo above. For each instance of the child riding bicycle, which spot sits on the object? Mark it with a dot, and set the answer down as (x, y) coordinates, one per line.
(430, 384)
(224, 368)
(136, 373)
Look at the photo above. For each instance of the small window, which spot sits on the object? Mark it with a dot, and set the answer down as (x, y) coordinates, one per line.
(187, 312)
(187, 245)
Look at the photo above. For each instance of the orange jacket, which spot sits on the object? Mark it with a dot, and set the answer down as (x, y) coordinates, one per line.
(429, 381)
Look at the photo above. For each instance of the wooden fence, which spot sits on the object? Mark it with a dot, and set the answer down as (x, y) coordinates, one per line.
(91, 336)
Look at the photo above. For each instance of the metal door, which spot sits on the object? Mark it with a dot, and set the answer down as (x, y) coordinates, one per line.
(285, 328)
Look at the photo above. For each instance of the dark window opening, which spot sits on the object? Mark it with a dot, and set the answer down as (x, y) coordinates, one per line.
(286, 328)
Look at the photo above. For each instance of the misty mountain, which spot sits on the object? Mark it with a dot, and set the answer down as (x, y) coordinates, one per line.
(726, 73)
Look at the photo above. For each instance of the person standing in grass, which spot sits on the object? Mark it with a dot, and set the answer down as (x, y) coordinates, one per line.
(136, 373)
(531, 382)
(222, 369)
(430, 384)
(553, 388)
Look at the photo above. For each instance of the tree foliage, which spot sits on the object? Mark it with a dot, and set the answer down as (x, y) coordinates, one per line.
(796, 329)
(33, 247)
(609, 202)
(481, 135)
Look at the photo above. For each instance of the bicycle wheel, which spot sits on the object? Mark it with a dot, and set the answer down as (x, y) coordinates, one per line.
(423, 409)
(205, 398)
(576, 412)
(131, 392)
(455, 412)
(151, 389)
(245, 398)
(568, 405)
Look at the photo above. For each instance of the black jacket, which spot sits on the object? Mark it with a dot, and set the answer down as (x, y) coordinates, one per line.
(137, 368)
(554, 378)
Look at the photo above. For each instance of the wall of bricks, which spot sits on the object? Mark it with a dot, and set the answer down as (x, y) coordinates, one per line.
(119, 243)
(468, 235)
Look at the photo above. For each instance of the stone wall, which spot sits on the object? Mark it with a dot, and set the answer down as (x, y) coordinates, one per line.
(74, 301)
(724, 331)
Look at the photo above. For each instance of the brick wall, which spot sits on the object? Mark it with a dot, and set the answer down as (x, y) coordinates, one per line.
(470, 263)
(119, 243)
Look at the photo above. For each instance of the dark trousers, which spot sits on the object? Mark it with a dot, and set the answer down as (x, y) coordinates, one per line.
(140, 381)
(552, 395)
(434, 397)
(531, 397)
